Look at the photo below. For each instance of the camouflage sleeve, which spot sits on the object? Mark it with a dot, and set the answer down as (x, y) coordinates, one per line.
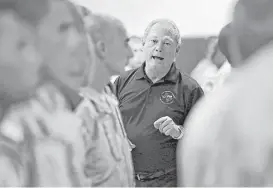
(11, 170)
(108, 157)
(110, 90)
(99, 165)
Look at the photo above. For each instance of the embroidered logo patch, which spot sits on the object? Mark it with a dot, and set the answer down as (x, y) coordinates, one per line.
(167, 97)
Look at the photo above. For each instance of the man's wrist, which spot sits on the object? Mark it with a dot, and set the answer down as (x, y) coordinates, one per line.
(181, 133)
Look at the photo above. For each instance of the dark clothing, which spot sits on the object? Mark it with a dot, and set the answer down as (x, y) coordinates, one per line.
(142, 102)
(167, 180)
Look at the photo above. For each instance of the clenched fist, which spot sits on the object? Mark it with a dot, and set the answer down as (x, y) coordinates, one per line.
(167, 126)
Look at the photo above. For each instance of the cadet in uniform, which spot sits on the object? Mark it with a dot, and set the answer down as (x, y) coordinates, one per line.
(108, 162)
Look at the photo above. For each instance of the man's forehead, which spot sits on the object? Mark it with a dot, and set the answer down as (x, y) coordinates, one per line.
(59, 10)
(121, 32)
(162, 29)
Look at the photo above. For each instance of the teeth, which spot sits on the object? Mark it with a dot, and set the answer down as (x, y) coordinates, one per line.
(160, 58)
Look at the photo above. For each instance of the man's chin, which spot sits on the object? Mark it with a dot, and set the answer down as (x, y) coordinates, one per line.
(156, 63)
(120, 72)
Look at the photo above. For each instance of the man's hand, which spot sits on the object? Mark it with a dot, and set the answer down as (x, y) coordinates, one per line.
(166, 126)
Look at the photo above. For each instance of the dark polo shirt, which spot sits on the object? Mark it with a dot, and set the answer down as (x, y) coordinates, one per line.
(141, 103)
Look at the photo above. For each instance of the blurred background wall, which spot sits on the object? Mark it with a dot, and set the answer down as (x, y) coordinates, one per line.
(196, 19)
(193, 49)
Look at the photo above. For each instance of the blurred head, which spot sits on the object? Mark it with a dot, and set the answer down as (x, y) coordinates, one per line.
(19, 59)
(64, 45)
(214, 53)
(111, 43)
(229, 46)
(252, 25)
(161, 44)
(135, 43)
(223, 42)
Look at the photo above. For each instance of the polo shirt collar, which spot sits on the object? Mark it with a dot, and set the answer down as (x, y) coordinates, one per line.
(171, 76)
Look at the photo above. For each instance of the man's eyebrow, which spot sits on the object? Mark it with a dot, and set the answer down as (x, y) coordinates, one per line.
(169, 39)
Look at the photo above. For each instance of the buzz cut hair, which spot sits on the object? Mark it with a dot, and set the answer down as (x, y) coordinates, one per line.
(85, 11)
(173, 29)
(101, 26)
(30, 11)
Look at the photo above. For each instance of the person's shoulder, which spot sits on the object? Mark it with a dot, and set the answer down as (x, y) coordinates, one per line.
(125, 78)
(188, 81)
(127, 74)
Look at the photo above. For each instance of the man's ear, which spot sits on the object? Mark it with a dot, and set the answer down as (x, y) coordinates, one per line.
(176, 52)
(143, 41)
(177, 49)
(101, 49)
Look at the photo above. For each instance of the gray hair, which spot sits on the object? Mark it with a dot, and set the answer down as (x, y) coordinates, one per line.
(173, 29)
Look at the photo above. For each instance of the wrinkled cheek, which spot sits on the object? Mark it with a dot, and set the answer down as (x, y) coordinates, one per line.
(147, 54)
(171, 57)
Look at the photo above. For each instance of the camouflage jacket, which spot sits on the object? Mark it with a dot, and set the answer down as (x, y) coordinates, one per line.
(108, 156)
(41, 143)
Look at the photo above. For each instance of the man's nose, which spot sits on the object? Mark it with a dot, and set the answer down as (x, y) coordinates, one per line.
(159, 46)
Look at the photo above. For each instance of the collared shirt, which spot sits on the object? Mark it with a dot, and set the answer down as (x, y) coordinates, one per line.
(231, 143)
(142, 102)
(41, 143)
(209, 76)
(113, 78)
(108, 156)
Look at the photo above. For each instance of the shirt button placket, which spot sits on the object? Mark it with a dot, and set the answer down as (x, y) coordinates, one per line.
(150, 95)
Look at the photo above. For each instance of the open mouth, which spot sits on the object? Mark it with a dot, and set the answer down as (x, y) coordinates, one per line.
(159, 58)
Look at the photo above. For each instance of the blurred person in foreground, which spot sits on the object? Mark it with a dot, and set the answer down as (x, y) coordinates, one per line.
(136, 61)
(63, 42)
(213, 69)
(154, 100)
(108, 156)
(45, 124)
(231, 143)
(20, 64)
